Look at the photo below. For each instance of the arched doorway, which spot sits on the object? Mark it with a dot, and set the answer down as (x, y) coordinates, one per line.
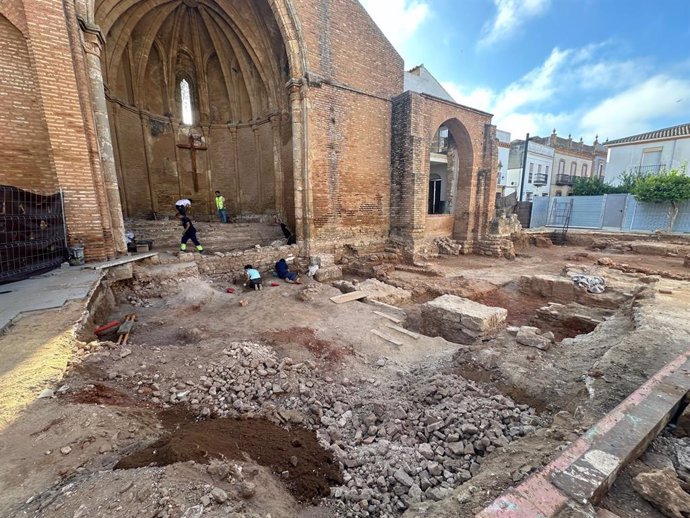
(450, 161)
(197, 103)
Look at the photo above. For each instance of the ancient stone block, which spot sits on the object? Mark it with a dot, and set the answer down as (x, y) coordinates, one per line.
(461, 320)
(329, 273)
(557, 289)
(530, 337)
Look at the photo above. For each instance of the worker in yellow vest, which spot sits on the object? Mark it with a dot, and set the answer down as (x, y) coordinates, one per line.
(220, 208)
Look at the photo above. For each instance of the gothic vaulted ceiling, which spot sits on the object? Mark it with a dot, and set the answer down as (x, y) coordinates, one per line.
(231, 52)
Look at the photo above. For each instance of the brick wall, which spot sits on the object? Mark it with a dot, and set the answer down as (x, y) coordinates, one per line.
(353, 74)
(44, 98)
(25, 150)
(345, 46)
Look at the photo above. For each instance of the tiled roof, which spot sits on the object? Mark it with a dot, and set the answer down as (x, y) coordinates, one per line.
(681, 130)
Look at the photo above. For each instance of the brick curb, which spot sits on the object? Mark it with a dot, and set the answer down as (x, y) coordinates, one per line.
(585, 471)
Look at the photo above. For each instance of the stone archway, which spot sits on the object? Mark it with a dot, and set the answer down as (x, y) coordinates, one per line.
(451, 157)
(240, 139)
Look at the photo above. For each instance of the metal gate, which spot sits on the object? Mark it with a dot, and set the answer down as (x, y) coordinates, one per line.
(614, 210)
(32, 233)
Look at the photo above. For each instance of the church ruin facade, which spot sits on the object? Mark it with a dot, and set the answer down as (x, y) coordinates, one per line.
(295, 108)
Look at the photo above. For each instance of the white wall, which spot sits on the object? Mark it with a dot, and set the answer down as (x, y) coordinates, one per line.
(503, 156)
(628, 156)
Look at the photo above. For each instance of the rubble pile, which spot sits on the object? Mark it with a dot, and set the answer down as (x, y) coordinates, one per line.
(446, 246)
(399, 442)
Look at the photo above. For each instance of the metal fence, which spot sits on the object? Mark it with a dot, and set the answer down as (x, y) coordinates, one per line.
(610, 212)
(32, 233)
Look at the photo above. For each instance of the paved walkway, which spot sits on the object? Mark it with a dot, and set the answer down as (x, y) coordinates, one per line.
(47, 291)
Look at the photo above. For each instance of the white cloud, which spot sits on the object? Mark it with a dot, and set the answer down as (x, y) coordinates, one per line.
(537, 85)
(510, 16)
(398, 19)
(636, 109)
(558, 94)
(480, 98)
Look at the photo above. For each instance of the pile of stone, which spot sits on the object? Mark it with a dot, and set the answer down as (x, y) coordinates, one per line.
(462, 320)
(399, 442)
(446, 246)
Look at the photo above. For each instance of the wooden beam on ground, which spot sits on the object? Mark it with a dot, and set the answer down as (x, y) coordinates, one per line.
(393, 319)
(404, 331)
(348, 297)
(118, 262)
(386, 338)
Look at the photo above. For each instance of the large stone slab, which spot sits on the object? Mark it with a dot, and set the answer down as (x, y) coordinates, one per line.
(461, 320)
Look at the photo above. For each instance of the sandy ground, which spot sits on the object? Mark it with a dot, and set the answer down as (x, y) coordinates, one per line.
(58, 454)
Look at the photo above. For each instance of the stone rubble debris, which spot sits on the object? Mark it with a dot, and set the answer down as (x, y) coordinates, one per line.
(662, 488)
(533, 337)
(592, 283)
(411, 439)
(446, 246)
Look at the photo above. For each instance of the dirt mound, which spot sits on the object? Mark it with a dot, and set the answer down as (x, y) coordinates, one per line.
(294, 455)
(325, 350)
(193, 294)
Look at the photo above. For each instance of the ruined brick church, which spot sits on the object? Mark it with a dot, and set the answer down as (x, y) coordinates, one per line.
(296, 108)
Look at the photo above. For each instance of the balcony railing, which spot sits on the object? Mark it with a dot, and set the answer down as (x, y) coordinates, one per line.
(565, 179)
(649, 169)
(440, 145)
(540, 179)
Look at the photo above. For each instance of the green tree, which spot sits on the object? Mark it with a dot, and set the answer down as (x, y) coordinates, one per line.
(594, 186)
(672, 187)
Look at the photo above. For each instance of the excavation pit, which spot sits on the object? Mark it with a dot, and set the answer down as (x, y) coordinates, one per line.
(294, 455)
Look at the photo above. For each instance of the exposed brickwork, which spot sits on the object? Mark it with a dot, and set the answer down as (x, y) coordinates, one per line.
(345, 46)
(343, 152)
(416, 118)
(24, 151)
(60, 143)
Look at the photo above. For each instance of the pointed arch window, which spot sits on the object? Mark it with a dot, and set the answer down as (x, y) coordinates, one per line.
(186, 99)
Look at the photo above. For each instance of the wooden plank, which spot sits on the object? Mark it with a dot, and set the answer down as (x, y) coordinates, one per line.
(118, 262)
(389, 317)
(404, 331)
(386, 338)
(348, 297)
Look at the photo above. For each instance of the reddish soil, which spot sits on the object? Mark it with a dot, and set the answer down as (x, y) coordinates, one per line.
(100, 394)
(310, 469)
(521, 308)
(325, 350)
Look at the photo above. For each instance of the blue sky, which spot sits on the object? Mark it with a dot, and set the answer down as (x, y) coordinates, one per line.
(608, 67)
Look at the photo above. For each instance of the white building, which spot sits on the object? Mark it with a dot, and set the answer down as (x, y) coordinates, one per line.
(537, 173)
(651, 152)
(504, 188)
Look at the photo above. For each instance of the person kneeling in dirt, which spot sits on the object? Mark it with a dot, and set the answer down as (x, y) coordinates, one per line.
(253, 278)
(189, 233)
(284, 272)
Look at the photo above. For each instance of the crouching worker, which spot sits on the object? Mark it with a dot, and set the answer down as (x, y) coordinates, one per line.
(189, 233)
(284, 272)
(253, 278)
